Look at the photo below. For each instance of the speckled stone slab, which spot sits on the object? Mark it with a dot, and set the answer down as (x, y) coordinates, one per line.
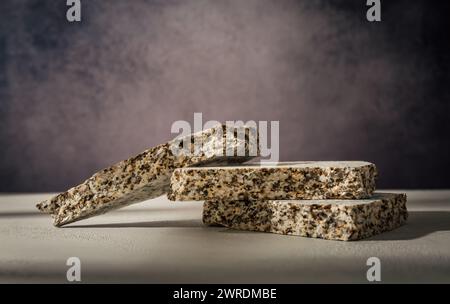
(285, 180)
(345, 220)
(147, 175)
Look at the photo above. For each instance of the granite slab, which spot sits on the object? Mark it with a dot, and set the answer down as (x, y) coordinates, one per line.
(147, 175)
(283, 180)
(345, 220)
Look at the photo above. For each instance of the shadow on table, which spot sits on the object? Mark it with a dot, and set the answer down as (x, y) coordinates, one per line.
(419, 224)
(153, 224)
(9, 215)
(36, 213)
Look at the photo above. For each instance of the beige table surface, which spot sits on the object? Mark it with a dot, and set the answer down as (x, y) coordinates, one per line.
(158, 241)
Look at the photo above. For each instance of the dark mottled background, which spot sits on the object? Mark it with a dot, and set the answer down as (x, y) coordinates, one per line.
(76, 97)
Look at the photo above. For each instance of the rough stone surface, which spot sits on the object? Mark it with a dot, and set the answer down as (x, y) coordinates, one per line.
(343, 220)
(144, 176)
(285, 180)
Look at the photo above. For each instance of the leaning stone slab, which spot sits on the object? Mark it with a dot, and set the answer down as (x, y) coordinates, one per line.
(345, 220)
(285, 180)
(147, 175)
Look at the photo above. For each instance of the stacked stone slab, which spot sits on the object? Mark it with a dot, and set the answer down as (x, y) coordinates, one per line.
(343, 220)
(147, 175)
(280, 181)
(330, 200)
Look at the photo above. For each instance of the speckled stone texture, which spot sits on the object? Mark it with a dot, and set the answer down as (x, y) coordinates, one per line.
(147, 175)
(285, 180)
(345, 220)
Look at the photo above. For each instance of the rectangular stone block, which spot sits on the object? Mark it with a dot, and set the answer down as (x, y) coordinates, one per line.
(147, 175)
(285, 180)
(344, 220)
